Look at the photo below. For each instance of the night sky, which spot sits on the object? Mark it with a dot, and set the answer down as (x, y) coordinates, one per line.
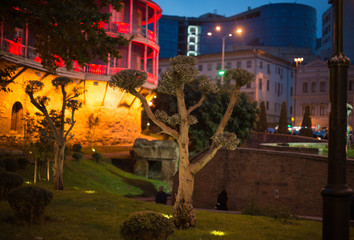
(195, 8)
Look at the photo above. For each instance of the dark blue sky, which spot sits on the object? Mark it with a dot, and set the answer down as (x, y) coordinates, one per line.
(195, 8)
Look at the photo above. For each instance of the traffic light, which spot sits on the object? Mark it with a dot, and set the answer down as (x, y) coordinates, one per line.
(221, 72)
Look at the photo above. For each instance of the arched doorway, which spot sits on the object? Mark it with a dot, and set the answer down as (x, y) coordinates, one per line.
(16, 117)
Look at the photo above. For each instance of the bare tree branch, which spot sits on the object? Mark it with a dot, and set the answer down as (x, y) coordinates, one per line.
(195, 167)
(198, 104)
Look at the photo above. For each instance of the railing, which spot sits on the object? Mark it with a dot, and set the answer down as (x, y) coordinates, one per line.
(122, 27)
(16, 48)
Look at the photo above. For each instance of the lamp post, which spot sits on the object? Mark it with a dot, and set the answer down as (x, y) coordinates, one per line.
(297, 61)
(336, 194)
(223, 37)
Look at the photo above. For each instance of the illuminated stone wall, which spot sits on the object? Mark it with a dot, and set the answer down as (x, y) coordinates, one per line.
(119, 113)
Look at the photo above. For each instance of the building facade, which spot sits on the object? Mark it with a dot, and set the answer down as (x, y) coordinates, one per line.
(280, 25)
(311, 88)
(272, 84)
(327, 44)
(119, 113)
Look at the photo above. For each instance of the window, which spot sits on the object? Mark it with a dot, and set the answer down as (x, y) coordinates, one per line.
(249, 64)
(260, 64)
(304, 87)
(291, 110)
(322, 86)
(260, 83)
(248, 85)
(218, 66)
(239, 64)
(268, 68)
(322, 110)
(267, 105)
(313, 87)
(95, 83)
(291, 91)
(228, 65)
(268, 85)
(200, 67)
(313, 110)
(209, 66)
(351, 85)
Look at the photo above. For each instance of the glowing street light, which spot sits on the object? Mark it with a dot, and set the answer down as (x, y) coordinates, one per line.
(297, 61)
(222, 71)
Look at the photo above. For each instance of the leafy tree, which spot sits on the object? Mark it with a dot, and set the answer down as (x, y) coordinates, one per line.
(61, 134)
(283, 120)
(306, 125)
(65, 30)
(262, 124)
(240, 122)
(173, 82)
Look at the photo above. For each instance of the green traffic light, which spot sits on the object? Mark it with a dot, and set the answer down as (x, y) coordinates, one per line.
(221, 72)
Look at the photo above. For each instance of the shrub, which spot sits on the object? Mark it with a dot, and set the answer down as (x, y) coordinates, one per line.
(97, 156)
(10, 165)
(29, 202)
(77, 156)
(146, 225)
(22, 163)
(8, 181)
(77, 147)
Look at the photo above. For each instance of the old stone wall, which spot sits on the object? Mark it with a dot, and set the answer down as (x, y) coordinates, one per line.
(271, 178)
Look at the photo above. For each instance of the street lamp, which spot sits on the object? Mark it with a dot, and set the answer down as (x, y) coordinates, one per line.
(297, 61)
(218, 29)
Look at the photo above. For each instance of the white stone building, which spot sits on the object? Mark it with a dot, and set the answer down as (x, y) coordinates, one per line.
(273, 82)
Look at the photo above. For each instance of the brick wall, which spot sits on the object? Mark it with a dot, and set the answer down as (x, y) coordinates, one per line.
(258, 174)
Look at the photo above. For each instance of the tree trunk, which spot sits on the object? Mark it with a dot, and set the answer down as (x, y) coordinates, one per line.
(48, 166)
(184, 213)
(35, 170)
(58, 166)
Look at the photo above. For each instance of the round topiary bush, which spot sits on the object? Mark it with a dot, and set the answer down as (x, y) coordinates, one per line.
(22, 163)
(10, 165)
(29, 202)
(97, 156)
(77, 156)
(8, 181)
(146, 225)
(77, 147)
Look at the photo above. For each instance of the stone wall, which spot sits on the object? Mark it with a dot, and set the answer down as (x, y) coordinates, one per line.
(271, 178)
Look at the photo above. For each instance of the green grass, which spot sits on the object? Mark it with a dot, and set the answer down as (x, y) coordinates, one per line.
(77, 215)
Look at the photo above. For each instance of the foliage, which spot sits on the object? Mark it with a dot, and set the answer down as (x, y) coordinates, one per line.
(97, 156)
(283, 120)
(22, 163)
(77, 148)
(29, 202)
(306, 124)
(146, 225)
(262, 124)
(77, 156)
(8, 181)
(6, 73)
(65, 30)
(10, 164)
(57, 121)
(128, 79)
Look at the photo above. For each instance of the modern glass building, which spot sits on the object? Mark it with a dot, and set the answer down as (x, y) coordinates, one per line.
(280, 25)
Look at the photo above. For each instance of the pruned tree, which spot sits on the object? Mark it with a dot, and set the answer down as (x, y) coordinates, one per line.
(306, 125)
(283, 120)
(61, 134)
(262, 124)
(173, 81)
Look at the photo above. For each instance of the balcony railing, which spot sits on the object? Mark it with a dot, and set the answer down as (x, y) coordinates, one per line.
(121, 27)
(18, 49)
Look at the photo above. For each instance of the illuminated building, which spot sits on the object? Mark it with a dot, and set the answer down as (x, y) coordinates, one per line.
(119, 113)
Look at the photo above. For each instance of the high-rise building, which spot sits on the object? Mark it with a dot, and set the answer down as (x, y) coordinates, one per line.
(277, 25)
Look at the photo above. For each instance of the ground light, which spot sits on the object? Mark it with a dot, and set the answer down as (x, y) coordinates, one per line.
(167, 216)
(90, 191)
(217, 233)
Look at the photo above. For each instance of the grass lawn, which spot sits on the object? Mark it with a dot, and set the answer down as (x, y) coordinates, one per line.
(78, 214)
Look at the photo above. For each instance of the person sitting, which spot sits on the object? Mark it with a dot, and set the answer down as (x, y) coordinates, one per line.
(161, 196)
(221, 203)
